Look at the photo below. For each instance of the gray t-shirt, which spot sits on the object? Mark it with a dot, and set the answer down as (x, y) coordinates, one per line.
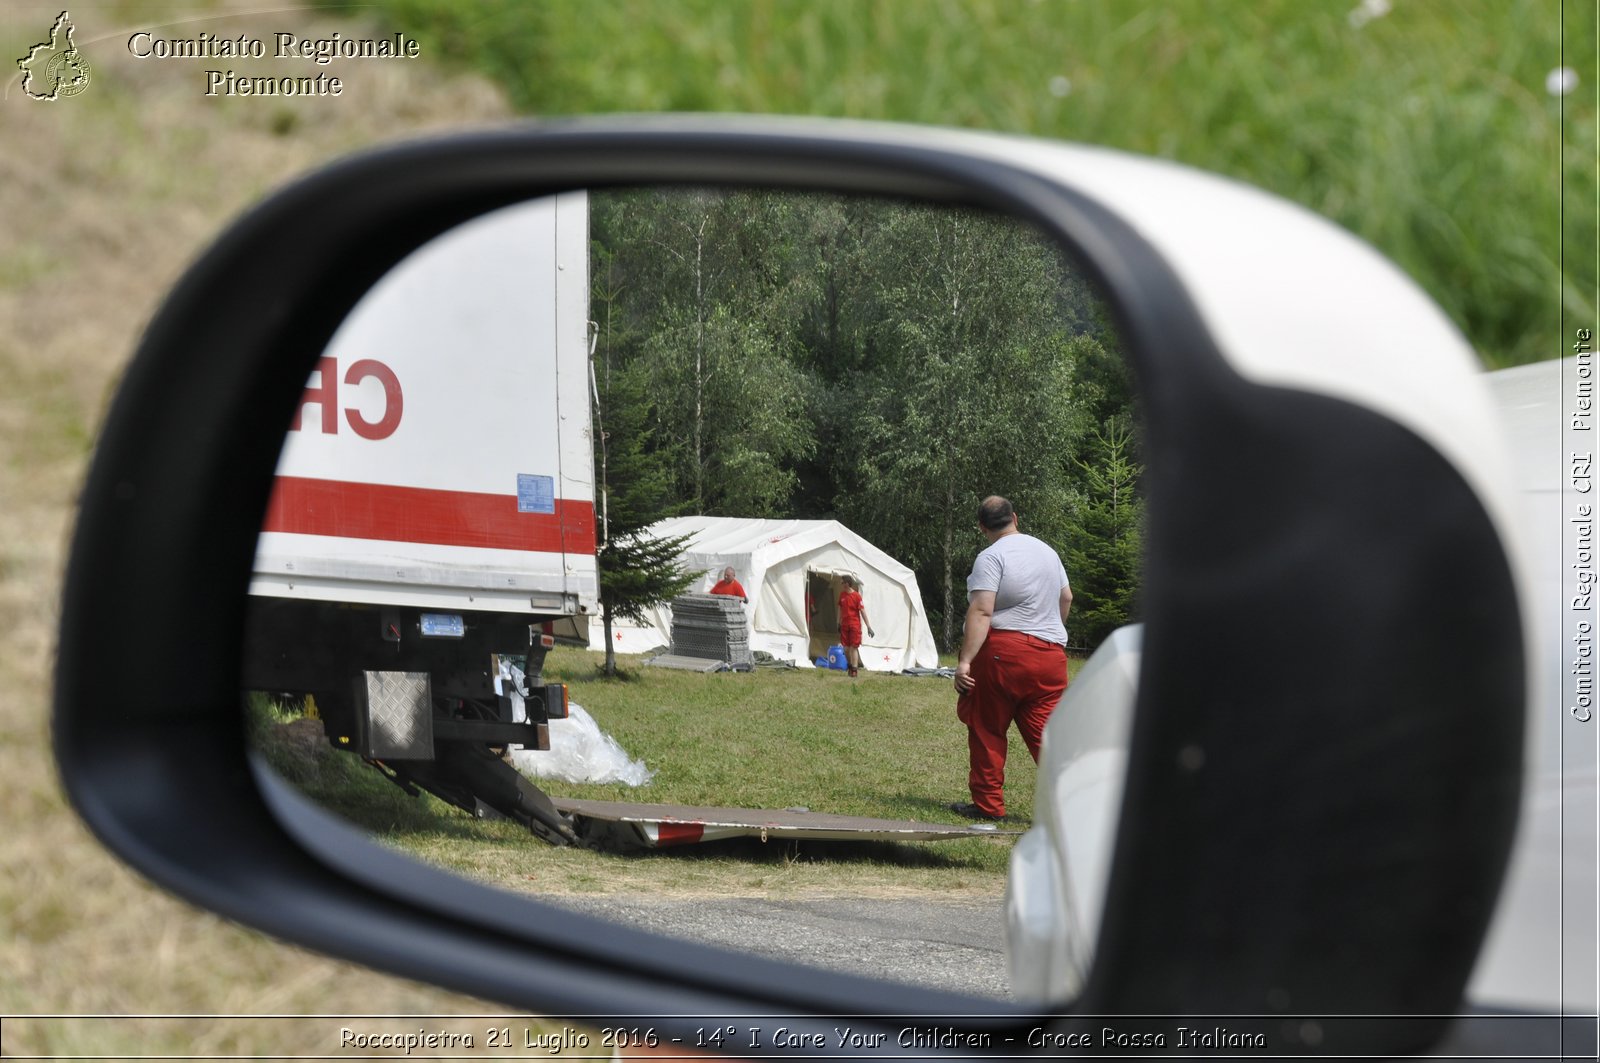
(1026, 577)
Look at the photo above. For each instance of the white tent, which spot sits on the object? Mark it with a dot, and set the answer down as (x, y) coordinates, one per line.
(792, 571)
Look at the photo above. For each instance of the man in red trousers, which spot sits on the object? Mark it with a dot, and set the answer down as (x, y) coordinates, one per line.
(1013, 662)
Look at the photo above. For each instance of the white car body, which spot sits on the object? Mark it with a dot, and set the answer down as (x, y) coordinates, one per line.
(1540, 953)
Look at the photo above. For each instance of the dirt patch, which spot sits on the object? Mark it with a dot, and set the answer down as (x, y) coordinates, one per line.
(301, 740)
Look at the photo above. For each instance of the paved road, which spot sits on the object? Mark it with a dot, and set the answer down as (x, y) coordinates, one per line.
(955, 945)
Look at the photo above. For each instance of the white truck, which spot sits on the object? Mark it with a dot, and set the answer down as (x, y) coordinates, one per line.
(433, 519)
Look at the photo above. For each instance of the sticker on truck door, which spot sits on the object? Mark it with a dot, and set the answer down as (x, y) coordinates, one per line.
(535, 494)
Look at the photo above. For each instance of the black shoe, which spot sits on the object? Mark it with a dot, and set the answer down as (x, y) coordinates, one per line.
(971, 811)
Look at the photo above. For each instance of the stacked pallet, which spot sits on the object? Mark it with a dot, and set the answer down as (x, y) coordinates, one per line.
(712, 627)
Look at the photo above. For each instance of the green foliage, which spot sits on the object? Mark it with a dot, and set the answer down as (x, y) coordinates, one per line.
(881, 362)
(636, 571)
(1103, 561)
(636, 483)
(697, 287)
(970, 392)
(1428, 131)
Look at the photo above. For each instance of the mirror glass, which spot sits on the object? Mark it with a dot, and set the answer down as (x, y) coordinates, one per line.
(582, 505)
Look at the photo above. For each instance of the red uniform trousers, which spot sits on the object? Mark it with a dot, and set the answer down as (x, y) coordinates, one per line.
(1019, 678)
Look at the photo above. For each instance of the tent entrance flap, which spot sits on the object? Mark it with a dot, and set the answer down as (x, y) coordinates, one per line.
(822, 609)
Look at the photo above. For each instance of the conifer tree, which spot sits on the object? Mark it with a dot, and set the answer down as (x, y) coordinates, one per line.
(1103, 561)
(636, 570)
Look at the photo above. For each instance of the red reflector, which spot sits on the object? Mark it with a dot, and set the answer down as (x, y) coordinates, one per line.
(670, 833)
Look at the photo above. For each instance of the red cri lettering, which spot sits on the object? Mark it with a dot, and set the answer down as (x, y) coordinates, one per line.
(325, 396)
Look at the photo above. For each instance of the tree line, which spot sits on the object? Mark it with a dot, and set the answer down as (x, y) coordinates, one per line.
(882, 363)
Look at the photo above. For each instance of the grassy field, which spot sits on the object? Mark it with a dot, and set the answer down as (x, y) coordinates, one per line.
(883, 746)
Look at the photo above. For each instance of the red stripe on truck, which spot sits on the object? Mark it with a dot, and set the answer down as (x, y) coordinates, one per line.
(345, 510)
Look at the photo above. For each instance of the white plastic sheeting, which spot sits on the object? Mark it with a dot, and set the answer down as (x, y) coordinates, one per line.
(580, 752)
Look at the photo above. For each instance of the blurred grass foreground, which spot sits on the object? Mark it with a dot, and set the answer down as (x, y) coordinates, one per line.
(1436, 131)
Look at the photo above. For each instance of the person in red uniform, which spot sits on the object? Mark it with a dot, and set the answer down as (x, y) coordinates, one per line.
(730, 586)
(852, 614)
(1013, 661)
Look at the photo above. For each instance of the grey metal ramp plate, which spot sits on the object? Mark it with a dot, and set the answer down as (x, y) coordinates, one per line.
(718, 823)
(692, 664)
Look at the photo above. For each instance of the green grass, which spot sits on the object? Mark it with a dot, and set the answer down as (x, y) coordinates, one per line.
(881, 746)
(1427, 131)
(342, 783)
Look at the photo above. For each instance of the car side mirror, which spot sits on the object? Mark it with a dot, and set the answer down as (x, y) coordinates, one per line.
(1323, 765)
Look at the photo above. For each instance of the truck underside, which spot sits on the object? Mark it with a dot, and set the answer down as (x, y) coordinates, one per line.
(420, 696)
(427, 712)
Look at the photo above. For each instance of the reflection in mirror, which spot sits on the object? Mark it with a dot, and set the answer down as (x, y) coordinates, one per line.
(579, 516)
